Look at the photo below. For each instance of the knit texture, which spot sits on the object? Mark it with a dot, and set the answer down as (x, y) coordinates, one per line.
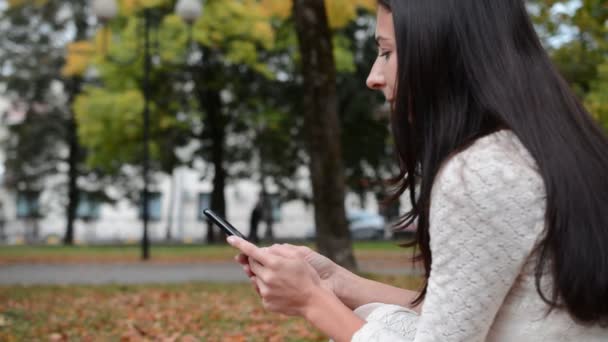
(486, 216)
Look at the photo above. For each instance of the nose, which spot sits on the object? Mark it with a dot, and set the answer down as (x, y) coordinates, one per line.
(375, 79)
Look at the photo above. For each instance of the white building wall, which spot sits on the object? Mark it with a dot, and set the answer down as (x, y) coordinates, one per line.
(120, 222)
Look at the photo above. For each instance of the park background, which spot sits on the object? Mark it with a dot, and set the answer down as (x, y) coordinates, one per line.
(185, 105)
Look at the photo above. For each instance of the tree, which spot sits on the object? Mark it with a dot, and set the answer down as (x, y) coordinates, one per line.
(368, 153)
(322, 126)
(227, 40)
(582, 53)
(32, 56)
(240, 42)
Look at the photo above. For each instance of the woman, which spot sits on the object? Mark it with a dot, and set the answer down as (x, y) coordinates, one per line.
(513, 187)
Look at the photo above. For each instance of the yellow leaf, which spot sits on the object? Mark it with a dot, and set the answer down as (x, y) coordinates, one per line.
(277, 8)
(341, 12)
(128, 7)
(264, 32)
(78, 59)
(17, 3)
(369, 5)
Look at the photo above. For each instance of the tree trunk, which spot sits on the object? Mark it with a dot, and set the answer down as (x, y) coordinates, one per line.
(73, 161)
(170, 216)
(217, 132)
(323, 131)
(72, 135)
(210, 100)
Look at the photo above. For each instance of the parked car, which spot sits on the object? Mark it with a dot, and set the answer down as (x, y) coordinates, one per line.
(363, 225)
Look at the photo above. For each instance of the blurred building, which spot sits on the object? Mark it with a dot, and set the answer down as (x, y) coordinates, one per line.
(175, 208)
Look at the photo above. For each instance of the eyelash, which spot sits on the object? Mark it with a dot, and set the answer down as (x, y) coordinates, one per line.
(386, 55)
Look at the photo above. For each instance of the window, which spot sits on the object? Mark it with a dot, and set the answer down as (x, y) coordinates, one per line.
(88, 206)
(28, 204)
(204, 201)
(154, 207)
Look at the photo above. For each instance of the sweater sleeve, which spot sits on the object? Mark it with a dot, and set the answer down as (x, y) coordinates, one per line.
(486, 214)
(387, 323)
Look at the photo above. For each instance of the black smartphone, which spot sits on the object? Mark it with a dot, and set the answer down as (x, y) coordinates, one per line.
(223, 224)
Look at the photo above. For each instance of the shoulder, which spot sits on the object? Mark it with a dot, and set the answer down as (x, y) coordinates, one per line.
(493, 162)
(491, 189)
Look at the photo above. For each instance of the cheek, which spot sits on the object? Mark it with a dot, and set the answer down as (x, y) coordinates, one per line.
(391, 70)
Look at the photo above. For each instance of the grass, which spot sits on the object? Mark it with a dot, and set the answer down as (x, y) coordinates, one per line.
(161, 253)
(184, 312)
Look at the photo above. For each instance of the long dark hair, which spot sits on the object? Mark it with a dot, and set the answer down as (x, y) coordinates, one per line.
(467, 68)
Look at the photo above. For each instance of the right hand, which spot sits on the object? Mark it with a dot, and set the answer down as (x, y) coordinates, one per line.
(327, 270)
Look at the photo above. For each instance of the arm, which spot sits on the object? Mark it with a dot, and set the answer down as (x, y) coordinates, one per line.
(290, 285)
(487, 211)
(486, 214)
(355, 291)
(331, 316)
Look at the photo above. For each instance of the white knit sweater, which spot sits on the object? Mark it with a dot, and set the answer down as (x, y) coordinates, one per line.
(487, 214)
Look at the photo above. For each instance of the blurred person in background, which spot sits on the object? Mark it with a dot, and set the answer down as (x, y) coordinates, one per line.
(254, 221)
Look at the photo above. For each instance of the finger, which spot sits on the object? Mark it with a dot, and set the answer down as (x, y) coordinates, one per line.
(248, 271)
(255, 284)
(252, 250)
(263, 288)
(242, 259)
(283, 251)
(258, 269)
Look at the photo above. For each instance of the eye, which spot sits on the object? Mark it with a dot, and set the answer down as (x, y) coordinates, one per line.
(386, 55)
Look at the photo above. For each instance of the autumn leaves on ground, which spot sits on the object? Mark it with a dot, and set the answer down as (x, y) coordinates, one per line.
(180, 312)
(185, 312)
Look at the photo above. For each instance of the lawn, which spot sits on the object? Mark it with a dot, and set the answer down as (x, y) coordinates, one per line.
(163, 253)
(184, 312)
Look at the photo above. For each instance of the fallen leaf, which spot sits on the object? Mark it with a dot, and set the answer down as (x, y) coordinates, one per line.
(4, 321)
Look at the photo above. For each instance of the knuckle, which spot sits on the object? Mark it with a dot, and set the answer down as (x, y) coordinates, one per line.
(303, 249)
(273, 263)
(270, 279)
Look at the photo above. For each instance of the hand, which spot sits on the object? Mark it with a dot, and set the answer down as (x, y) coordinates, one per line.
(244, 261)
(327, 270)
(286, 285)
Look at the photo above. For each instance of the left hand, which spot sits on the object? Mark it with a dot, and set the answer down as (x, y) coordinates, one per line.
(286, 285)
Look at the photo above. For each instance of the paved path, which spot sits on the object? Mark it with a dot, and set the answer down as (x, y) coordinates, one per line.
(139, 273)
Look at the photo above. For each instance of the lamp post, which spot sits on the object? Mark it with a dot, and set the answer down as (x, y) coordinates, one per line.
(189, 11)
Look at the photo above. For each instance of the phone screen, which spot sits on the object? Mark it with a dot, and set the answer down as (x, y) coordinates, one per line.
(223, 224)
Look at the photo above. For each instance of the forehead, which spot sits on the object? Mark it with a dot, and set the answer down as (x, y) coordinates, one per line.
(385, 30)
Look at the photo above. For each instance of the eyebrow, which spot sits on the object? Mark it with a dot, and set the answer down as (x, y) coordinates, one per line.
(380, 38)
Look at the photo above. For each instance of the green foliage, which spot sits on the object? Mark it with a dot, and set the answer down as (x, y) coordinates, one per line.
(365, 136)
(597, 99)
(245, 45)
(583, 59)
(110, 125)
(30, 74)
(343, 54)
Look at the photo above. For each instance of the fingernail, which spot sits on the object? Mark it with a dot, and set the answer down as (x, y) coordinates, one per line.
(231, 239)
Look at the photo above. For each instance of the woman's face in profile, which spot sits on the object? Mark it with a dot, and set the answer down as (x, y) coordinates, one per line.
(384, 71)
